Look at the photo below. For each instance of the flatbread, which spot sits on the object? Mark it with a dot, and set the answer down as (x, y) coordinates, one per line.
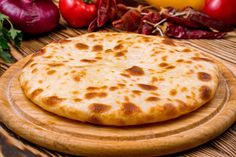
(119, 79)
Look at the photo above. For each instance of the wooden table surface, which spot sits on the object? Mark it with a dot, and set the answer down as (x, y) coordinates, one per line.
(12, 145)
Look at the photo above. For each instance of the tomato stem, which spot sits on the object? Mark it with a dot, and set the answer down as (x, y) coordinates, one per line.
(88, 1)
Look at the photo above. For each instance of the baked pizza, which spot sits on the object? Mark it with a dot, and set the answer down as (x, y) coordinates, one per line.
(119, 79)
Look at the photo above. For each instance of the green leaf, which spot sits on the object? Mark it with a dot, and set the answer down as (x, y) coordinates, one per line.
(13, 33)
(3, 39)
(6, 35)
(5, 54)
(3, 17)
(16, 36)
(3, 43)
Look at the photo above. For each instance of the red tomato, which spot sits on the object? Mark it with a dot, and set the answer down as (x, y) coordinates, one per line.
(224, 10)
(78, 13)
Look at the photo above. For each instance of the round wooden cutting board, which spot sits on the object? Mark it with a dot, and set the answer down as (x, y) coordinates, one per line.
(64, 135)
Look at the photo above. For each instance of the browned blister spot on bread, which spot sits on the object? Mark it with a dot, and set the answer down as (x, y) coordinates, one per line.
(88, 60)
(93, 88)
(130, 108)
(179, 60)
(173, 92)
(109, 51)
(73, 71)
(50, 72)
(97, 48)
(77, 78)
(135, 71)
(170, 67)
(113, 88)
(163, 64)
(137, 92)
(34, 70)
(154, 80)
(99, 108)
(32, 65)
(147, 87)
(91, 35)
(75, 92)
(182, 105)
(53, 100)
(81, 46)
(77, 100)
(125, 75)
(121, 85)
(118, 47)
(204, 76)
(92, 95)
(170, 110)
(98, 57)
(189, 62)
(79, 75)
(164, 58)
(152, 98)
(96, 88)
(119, 54)
(95, 120)
(146, 39)
(36, 93)
(184, 89)
(55, 64)
(205, 92)
(186, 50)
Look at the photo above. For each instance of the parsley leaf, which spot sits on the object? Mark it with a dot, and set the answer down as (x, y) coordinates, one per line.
(13, 35)
(3, 17)
(16, 36)
(4, 48)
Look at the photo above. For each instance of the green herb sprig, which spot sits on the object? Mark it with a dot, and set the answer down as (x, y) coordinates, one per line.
(8, 35)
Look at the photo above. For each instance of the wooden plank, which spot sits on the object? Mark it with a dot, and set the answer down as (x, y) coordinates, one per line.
(78, 138)
(223, 146)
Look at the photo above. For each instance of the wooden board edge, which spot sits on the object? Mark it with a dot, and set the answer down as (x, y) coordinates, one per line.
(225, 119)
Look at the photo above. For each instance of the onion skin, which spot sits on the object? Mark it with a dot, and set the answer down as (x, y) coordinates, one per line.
(31, 16)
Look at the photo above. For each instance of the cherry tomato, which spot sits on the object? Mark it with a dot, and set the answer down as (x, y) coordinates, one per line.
(78, 13)
(177, 4)
(224, 10)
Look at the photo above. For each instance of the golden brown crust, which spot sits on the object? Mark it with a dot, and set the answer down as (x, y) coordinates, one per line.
(135, 71)
(99, 108)
(121, 82)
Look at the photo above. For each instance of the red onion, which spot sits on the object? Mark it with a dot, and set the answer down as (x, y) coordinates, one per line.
(31, 16)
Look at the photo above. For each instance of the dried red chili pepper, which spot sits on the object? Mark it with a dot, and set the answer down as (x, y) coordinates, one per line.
(152, 17)
(121, 10)
(107, 10)
(113, 9)
(181, 32)
(206, 20)
(103, 10)
(182, 21)
(129, 21)
(93, 26)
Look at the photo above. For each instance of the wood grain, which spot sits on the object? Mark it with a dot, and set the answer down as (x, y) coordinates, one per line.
(14, 146)
(213, 148)
(57, 133)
